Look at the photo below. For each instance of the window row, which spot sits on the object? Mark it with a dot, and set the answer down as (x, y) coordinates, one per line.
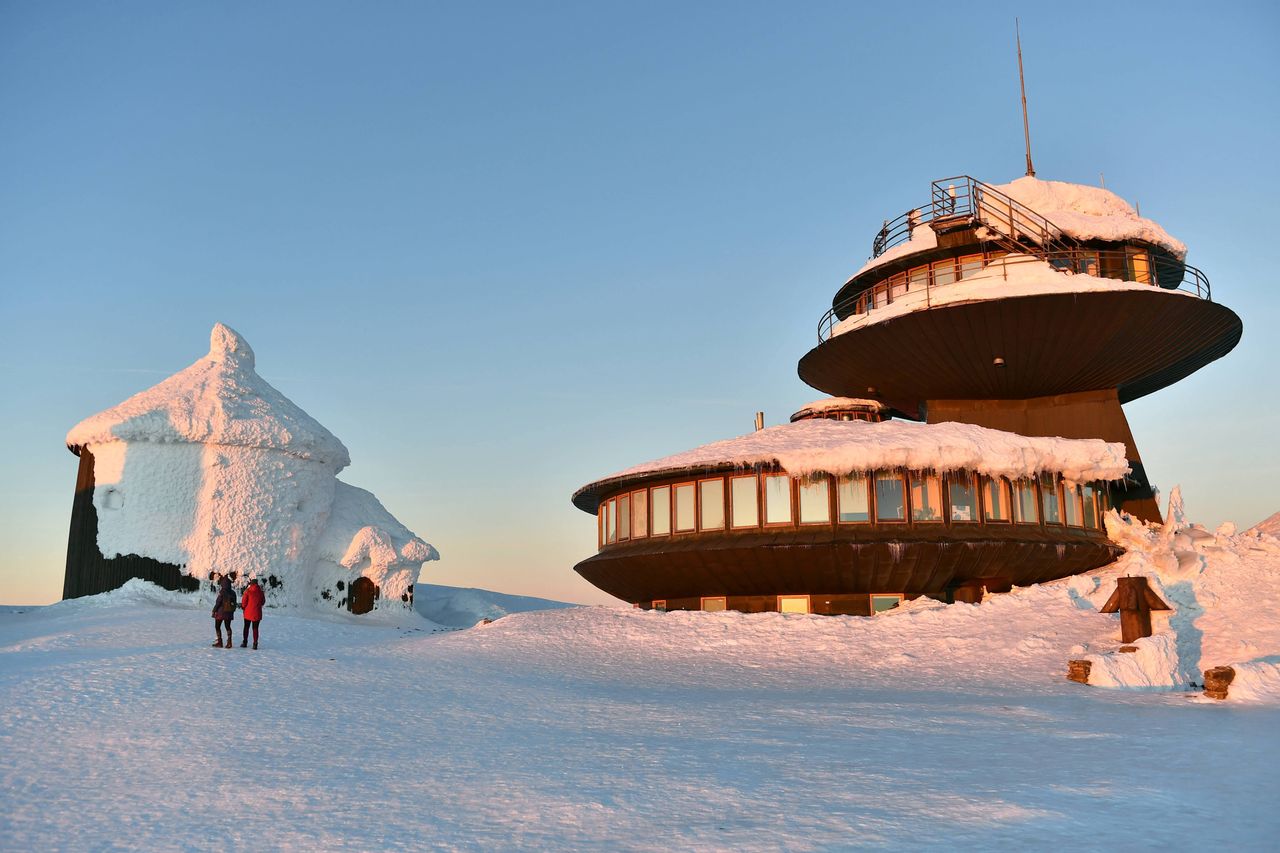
(877, 603)
(750, 501)
(1129, 265)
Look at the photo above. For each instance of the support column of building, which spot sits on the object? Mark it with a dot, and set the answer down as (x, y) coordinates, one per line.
(1088, 414)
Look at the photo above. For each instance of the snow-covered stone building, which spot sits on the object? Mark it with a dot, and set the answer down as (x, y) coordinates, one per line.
(215, 472)
(1012, 321)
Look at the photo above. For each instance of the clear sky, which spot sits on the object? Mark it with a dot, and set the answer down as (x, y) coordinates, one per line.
(504, 249)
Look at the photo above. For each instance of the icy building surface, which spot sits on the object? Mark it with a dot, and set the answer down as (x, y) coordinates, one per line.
(215, 471)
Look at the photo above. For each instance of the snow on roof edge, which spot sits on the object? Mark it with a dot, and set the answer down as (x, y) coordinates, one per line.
(842, 447)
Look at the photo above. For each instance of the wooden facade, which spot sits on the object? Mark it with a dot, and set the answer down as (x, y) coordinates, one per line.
(88, 572)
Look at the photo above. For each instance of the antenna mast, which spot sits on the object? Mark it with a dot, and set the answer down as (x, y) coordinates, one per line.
(1022, 82)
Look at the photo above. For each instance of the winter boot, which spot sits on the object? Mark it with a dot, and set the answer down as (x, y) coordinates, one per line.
(255, 645)
(217, 644)
(244, 643)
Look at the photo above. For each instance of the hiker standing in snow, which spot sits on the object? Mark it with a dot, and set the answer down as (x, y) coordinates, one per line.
(224, 610)
(251, 603)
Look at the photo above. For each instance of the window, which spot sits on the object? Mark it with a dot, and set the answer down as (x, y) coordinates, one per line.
(661, 497)
(885, 601)
(1139, 266)
(711, 494)
(996, 492)
(793, 604)
(1049, 499)
(889, 496)
(963, 497)
(944, 272)
(898, 285)
(624, 518)
(1024, 502)
(745, 495)
(851, 497)
(611, 523)
(639, 515)
(715, 604)
(1087, 263)
(970, 265)
(660, 605)
(685, 507)
(1090, 506)
(777, 499)
(1071, 505)
(815, 502)
(918, 278)
(926, 497)
(601, 513)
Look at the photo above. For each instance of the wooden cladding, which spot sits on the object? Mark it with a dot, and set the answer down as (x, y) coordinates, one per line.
(87, 571)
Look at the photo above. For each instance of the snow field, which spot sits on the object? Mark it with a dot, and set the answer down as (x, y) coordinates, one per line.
(935, 727)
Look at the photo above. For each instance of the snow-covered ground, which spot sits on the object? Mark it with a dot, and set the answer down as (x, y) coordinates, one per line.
(609, 728)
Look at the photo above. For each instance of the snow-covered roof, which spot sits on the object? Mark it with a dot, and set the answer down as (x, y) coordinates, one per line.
(1008, 277)
(842, 447)
(1089, 213)
(218, 400)
(830, 404)
(1080, 211)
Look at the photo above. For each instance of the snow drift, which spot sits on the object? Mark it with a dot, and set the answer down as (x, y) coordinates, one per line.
(215, 471)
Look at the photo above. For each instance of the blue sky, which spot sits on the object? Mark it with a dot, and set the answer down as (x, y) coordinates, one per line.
(504, 249)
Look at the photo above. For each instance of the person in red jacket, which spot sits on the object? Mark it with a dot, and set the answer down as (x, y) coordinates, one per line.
(251, 603)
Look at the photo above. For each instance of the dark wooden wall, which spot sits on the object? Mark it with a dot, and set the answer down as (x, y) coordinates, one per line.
(88, 572)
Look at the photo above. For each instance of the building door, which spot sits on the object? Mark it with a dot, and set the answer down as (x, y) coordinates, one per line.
(363, 592)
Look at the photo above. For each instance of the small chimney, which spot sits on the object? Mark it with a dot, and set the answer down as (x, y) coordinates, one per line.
(759, 421)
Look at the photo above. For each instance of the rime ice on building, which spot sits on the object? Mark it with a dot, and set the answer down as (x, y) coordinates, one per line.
(214, 471)
(1014, 321)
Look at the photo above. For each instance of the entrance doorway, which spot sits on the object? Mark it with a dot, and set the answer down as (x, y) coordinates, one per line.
(363, 593)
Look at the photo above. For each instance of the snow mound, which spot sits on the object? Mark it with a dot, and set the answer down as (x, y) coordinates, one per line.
(218, 400)
(461, 607)
(1269, 526)
(1089, 213)
(841, 447)
(218, 473)
(1224, 591)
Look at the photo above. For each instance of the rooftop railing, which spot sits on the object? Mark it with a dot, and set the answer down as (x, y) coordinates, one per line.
(920, 283)
(966, 201)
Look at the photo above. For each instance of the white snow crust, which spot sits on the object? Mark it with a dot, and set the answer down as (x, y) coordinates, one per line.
(841, 447)
(1011, 276)
(218, 400)
(829, 403)
(217, 472)
(594, 728)
(1089, 213)
(1224, 588)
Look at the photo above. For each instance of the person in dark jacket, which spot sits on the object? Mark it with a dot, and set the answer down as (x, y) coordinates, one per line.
(224, 610)
(251, 603)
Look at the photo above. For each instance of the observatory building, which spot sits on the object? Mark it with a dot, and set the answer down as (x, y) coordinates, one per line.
(978, 363)
(215, 472)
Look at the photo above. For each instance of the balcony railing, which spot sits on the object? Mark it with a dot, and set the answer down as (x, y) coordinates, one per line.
(965, 201)
(921, 282)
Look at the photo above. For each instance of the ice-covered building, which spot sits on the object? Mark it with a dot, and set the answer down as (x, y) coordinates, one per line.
(215, 472)
(1013, 321)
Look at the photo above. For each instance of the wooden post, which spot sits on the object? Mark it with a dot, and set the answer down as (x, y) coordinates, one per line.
(1217, 681)
(1134, 600)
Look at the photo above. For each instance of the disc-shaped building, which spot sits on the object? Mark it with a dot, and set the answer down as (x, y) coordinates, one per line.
(1009, 323)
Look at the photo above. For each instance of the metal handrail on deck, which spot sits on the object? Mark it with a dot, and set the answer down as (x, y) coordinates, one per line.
(1141, 268)
(968, 201)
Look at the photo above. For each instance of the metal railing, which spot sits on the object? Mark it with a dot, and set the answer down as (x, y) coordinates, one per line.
(966, 201)
(920, 283)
